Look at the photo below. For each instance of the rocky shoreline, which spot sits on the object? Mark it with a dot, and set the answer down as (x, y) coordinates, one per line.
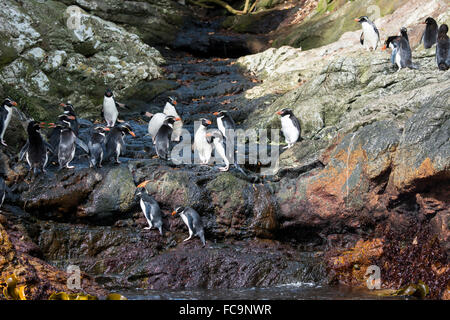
(368, 184)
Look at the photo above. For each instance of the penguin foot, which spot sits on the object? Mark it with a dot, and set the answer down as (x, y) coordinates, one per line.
(223, 169)
(187, 239)
(147, 228)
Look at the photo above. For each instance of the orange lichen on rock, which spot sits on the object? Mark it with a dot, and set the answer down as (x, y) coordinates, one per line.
(405, 174)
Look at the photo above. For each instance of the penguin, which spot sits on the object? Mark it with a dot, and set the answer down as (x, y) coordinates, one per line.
(35, 149)
(403, 57)
(170, 110)
(5, 117)
(370, 35)
(110, 106)
(70, 111)
(224, 122)
(193, 221)
(150, 208)
(67, 142)
(2, 191)
(443, 48)
(162, 138)
(201, 144)
(215, 137)
(393, 43)
(96, 145)
(429, 36)
(155, 123)
(290, 127)
(114, 141)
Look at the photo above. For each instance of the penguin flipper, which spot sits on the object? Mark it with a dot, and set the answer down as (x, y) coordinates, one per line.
(121, 105)
(49, 147)
(361, 38)
(82, 145)
(23, 150)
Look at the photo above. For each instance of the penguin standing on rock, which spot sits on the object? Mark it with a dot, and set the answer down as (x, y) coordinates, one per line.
(393, 43)
(215, 137)
(110, 106)
(150, 208)
(162, 139)
(170, 110)
(6, 110)
(193, 221)
(443, 48)
(201, 144)
(70, 111)
(290, 126)
(67, 143)
(403, 58)
(429, 36)
(35, 150)
(370, 35)
(115, 143)
(96, 145)
(155, 123)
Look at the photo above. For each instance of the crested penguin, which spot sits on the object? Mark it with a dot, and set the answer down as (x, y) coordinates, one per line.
(96, 145)
(170, 110)
(110, 112)
(2, 191)
(429, 36)
(393, 43)
(370, 35)
(403, 58)
(162, 140)
(150, 208)
(443, 48)
(201, 144)
(193, 221)
(54, 135)
(290, 126)
(70, 111)
(114, 141)
(67, 142)
(6, 110)
(35, 149)
(155, 123)
(215, 137)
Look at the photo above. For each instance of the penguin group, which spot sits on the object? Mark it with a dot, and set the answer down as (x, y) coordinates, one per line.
(401, 55)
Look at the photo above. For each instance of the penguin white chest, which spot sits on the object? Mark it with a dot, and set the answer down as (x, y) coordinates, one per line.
(143, 208)
(110, 111)
(290, 132)
(185, 220)
(7, 120)
(221, 126)
(203, 147)
(370, 36)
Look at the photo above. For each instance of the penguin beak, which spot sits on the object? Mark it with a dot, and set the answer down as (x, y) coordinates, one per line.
(62, 104)
(208, 122)
(356, 19)
(174, 102)
(216, 113)
(174, 213)
(148, 114)
(278, 112)
(71, 117)
(384, 48)
(106, 129)
(14, 103)
(132, 133)
(208, 134)
(177, 119)
(143, 184)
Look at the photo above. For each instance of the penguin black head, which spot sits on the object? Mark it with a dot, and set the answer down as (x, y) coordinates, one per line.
(173, 101)
(404, 32)
(170, 120)
(178, 210)
(443, 29)
(101, 130)
(125, 128)
(220, 113)
(205, 122)
(66, 120)
(362, 19)
(34, 126)
(10, 103)
(68, 108)
(285, 112)
(108, 93)
(391, 41)
(430, 21)
(214, 134)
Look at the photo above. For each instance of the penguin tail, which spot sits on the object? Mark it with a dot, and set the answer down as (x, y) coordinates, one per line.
(442, 66)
